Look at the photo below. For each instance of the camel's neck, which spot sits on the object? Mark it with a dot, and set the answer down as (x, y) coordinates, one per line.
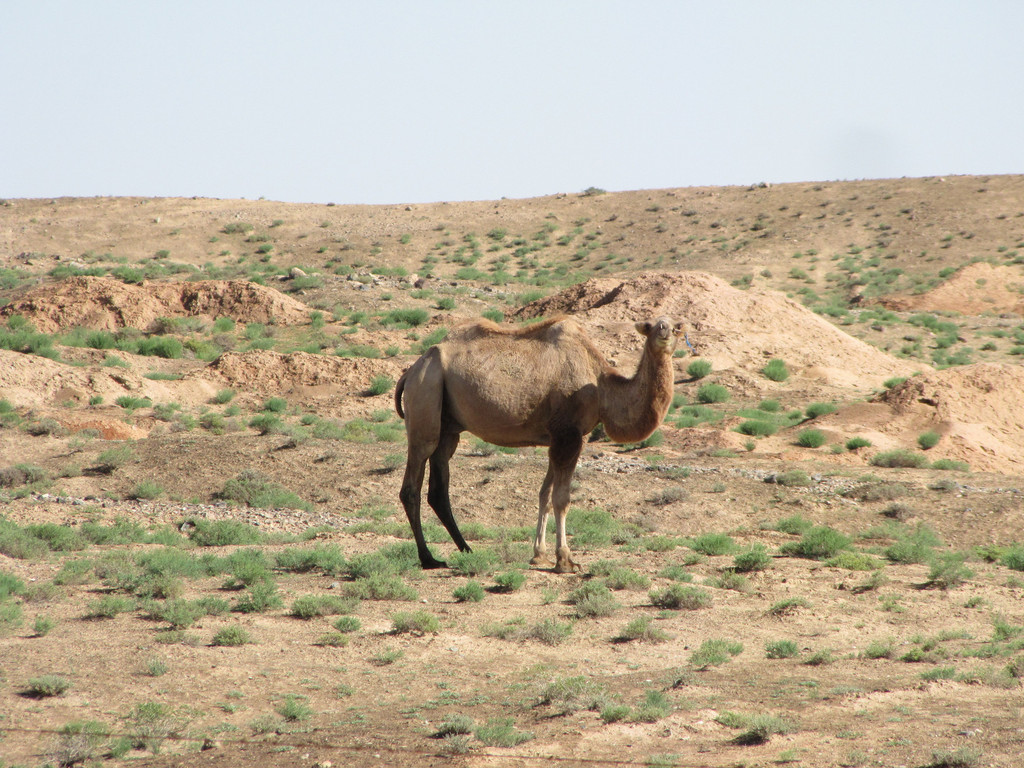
(631, 409)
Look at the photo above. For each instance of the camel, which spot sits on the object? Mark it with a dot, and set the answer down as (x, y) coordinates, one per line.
(545, 384)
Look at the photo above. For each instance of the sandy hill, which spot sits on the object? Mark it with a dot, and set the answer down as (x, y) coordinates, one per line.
(924, 224)
(730, 327)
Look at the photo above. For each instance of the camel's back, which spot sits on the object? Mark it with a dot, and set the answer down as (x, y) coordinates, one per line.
(549, 350)
(508, 376)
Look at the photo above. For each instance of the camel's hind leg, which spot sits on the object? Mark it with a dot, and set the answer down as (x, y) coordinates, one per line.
(422, 397)
(437, 489)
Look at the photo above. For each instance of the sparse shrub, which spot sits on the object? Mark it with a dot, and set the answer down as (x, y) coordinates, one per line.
(380, 384)
(510, 581)
(818, 543)
(814, 410)
(788, 606)
(948, 570)
(679, 596)
(222, 533)
(781, 649)
(254, 490)
(475, 563)
(455, 725)
(642, 629)
(108, 606)
(756, 558)
(470, 592)
(820, 658)
(713, 653)
(79, 742)
(621, 577)
(698, 369)
(382, 587)
(347, 624)
(757, 428)
(415, 623)
(880, 649)
(147, 489)
(46, 686)
(712, 544)
(653, 708)
(275, 405)
(593, 599)
(962, 757)
(311, 606)
(501, 732)
(613, 713)
(810, 438)
(853, 561)
(951, 464)
(260, 597)
(928, 439)
(1014, 558)
(232, 636)
(294, 708)
(898, 458)
(43, 625)
(913, 546)
(180, 614)
(895, 381)
(761, 728)
(712, 393)
(791, 478)
(776, 370)
(405, 317)
(594, 527)
(549, 632)
(574, 694)
(130, 403)
(857, 442)
(267, 423)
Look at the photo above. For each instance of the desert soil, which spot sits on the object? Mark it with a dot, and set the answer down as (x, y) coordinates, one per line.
(275, 333)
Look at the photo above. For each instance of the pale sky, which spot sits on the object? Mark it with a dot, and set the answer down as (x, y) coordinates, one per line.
(420, 101)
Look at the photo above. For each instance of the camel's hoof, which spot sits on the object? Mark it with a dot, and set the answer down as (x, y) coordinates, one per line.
(567, 566)
(432, 563)
(541, 561)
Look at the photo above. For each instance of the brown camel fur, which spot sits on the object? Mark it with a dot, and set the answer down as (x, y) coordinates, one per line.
(545, 384)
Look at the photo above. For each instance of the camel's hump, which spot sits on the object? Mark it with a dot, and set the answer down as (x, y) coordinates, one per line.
(482, 329)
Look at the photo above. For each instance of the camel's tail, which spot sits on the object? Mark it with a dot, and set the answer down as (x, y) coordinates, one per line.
(399, 389)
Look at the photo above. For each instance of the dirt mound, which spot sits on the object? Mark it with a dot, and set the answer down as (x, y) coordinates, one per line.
(104, 303)
(301, 373)
(974, 407)
(730, 327)
(49, 388)
(973, 290)
(33, 381)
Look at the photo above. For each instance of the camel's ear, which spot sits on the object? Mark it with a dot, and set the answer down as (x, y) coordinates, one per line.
(642, 328)
(680, 329)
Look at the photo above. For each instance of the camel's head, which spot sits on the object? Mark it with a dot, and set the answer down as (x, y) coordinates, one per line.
(662, 334)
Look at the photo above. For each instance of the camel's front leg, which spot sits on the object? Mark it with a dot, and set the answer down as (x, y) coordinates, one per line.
(562, 458)
(539, 544)
(560, 500)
